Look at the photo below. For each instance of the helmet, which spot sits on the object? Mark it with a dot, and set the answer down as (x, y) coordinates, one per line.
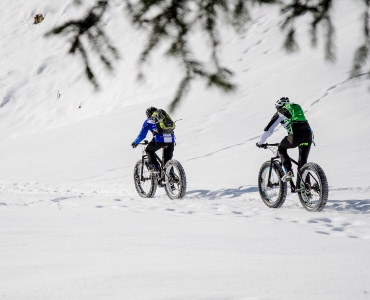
(281, 102)
(150, 111)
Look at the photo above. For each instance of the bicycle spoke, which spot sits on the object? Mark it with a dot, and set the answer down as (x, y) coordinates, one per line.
(313, 187)
(145, 182)
(175, 180)
(272, 189)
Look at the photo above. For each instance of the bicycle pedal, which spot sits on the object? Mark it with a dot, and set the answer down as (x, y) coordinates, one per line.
(286, 180)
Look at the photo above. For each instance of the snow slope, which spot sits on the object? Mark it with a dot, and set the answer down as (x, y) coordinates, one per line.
(71, 223)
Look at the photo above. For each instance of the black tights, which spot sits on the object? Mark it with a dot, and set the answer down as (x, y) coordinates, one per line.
(154, 146)
(303, 141)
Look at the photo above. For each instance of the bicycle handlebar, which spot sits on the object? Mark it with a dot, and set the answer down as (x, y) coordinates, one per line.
(264, 146)
(144, 143)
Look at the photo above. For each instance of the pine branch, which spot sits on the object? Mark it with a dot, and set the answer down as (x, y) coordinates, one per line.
(363, 52)
(290, 43)
(172, 22)
(320, 15)
(330, 45)
(89, 27)
(181, 91)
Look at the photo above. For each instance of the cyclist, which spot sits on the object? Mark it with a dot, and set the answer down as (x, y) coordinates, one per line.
(291, 116)
(159, 141)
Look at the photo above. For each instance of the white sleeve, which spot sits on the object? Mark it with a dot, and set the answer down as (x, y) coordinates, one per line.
(266, 134)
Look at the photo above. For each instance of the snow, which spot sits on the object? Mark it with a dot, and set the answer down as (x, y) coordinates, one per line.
(71, 223)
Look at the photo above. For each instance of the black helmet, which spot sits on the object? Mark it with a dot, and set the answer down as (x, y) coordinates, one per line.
(281, 102)
(150, 111)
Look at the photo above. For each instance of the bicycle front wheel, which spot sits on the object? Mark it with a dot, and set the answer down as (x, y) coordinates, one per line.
(313, 186)
(175, 179)
(273, 191)
(145, 181)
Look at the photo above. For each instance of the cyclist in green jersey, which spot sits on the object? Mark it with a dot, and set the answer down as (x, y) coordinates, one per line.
(291, 116)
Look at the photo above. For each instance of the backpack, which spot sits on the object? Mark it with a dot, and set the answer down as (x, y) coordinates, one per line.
(163, 121)
(296, 111)
(297, 115)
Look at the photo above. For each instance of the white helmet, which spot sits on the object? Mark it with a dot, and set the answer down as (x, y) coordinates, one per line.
(281, 102)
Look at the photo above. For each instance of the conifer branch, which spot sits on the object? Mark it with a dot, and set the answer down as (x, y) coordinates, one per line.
(89, 27)
(363, 52)
(172, 23)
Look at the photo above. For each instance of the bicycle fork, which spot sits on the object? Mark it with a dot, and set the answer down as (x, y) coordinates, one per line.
(269, 183)
(142, 168)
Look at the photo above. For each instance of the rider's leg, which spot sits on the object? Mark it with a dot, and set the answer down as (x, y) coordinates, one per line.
(150, 150)
(304, 151)
(168, 152)
(304, 146)
(286, 143)
(167, 155)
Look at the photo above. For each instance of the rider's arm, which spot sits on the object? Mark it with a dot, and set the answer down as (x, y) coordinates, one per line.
(143, 132)
(269, 130)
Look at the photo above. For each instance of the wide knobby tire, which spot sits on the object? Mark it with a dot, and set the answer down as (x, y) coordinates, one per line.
(275, 194)
(313, 185)
(146, 186)
(175, 179)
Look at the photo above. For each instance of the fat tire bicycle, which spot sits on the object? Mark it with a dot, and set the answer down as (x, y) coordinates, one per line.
(311, 186)
(170, 176)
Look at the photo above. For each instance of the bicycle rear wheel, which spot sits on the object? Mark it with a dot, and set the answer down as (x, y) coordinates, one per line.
(314, 189)
(145, 185)
(175, 179)
(273, 192)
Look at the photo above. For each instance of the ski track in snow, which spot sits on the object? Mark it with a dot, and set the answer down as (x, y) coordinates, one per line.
(333, 87)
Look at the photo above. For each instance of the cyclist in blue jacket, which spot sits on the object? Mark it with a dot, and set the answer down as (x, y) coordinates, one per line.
(159, 141)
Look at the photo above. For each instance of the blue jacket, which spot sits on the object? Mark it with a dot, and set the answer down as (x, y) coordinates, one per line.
(149, 125)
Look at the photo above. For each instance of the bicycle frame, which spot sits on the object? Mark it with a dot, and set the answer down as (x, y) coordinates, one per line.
(161, 169)
(277, 158)
(169, 175)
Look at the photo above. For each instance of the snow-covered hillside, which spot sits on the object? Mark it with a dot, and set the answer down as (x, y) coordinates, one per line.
(72, 225)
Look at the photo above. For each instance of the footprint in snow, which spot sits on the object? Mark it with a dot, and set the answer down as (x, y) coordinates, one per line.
(322, 232)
